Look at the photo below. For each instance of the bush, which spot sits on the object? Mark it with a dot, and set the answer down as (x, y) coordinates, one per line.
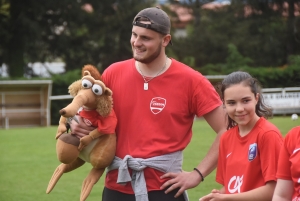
(270, 77)
(60, 86)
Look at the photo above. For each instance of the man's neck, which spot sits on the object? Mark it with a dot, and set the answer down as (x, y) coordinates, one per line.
(155, 68)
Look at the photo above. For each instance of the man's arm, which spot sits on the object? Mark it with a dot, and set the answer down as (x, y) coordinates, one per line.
(186, 180)
(217, 121)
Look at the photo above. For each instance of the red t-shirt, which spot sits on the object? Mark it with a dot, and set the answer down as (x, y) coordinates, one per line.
(105, 125)
(248, 162)
(289, 160)
(159, 120)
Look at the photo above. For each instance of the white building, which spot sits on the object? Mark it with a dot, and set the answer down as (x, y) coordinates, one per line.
(39, 69)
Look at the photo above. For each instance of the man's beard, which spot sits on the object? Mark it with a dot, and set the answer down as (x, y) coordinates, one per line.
(150, 58)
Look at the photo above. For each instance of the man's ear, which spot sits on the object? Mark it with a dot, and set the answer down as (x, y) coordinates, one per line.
(166, 40)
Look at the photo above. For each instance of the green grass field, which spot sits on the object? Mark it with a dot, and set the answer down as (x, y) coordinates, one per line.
(28, 160)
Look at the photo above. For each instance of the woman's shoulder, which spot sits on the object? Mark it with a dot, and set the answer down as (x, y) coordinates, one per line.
(265, 125)
(292, 140)
(293, 132)
(229, 133)
(266, 130)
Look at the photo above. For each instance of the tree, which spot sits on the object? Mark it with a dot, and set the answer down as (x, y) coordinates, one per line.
(284, 10)
(67, 30)
(234, 59)
(4, 18)
(262, 34)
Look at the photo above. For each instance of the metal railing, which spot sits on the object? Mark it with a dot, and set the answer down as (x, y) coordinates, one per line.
(282, 100)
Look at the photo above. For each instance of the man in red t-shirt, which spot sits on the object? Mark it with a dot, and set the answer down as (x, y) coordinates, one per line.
(155, 100)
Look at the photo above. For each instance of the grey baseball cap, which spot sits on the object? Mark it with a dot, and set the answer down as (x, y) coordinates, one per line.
(160, 21)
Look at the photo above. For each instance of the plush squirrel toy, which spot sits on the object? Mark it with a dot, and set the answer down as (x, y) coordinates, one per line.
(98, 148)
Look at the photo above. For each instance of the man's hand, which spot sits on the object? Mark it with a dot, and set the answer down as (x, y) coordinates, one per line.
(78, 127)
(182, 180)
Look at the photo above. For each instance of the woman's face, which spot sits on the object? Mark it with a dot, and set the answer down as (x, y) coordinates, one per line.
(240, 103)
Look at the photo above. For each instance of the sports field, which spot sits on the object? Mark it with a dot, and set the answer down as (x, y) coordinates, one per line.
(28, 159)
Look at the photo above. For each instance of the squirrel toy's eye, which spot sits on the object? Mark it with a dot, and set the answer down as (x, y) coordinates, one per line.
(97, 89)
(86, 83)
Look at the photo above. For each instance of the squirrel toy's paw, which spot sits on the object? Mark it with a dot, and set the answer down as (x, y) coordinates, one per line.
(60, 170)
(89, 182)
(84, 141)
(55, 177)
(61, 129)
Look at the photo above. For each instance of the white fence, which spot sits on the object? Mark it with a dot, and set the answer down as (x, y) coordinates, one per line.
(283, 100)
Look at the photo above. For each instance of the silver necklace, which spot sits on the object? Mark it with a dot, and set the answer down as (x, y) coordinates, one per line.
(146, 85)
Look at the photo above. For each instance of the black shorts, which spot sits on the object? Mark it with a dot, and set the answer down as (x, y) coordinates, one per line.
(112, 195)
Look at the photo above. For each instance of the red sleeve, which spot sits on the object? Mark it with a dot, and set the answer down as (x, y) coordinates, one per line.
(205, 97)
(221, 168)
(269, 147)
(108, 124)
(284, 164)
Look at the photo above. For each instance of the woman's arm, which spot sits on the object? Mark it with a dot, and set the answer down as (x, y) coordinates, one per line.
(263, 193)
(208, 197)
(283, 191)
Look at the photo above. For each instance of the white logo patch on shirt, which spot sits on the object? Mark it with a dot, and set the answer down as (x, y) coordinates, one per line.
(228, 155)
(157, 104)
(235, 183)
(252, 153)
(295, 150)
(87, 122)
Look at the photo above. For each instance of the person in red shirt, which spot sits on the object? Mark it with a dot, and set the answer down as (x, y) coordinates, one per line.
(288, 173)
(249, 149)
(156, 99)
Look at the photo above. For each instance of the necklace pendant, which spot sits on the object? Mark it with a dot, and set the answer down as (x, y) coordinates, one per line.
(146, 86)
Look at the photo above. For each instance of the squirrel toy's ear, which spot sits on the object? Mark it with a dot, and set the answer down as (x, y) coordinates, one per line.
(85, 73)
(108, 92)
(74, 88)
(94, 72)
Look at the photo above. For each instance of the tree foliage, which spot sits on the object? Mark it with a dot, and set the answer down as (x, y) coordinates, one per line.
(223, 38)
(270, 77)
(77, 32)
(261, 31)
